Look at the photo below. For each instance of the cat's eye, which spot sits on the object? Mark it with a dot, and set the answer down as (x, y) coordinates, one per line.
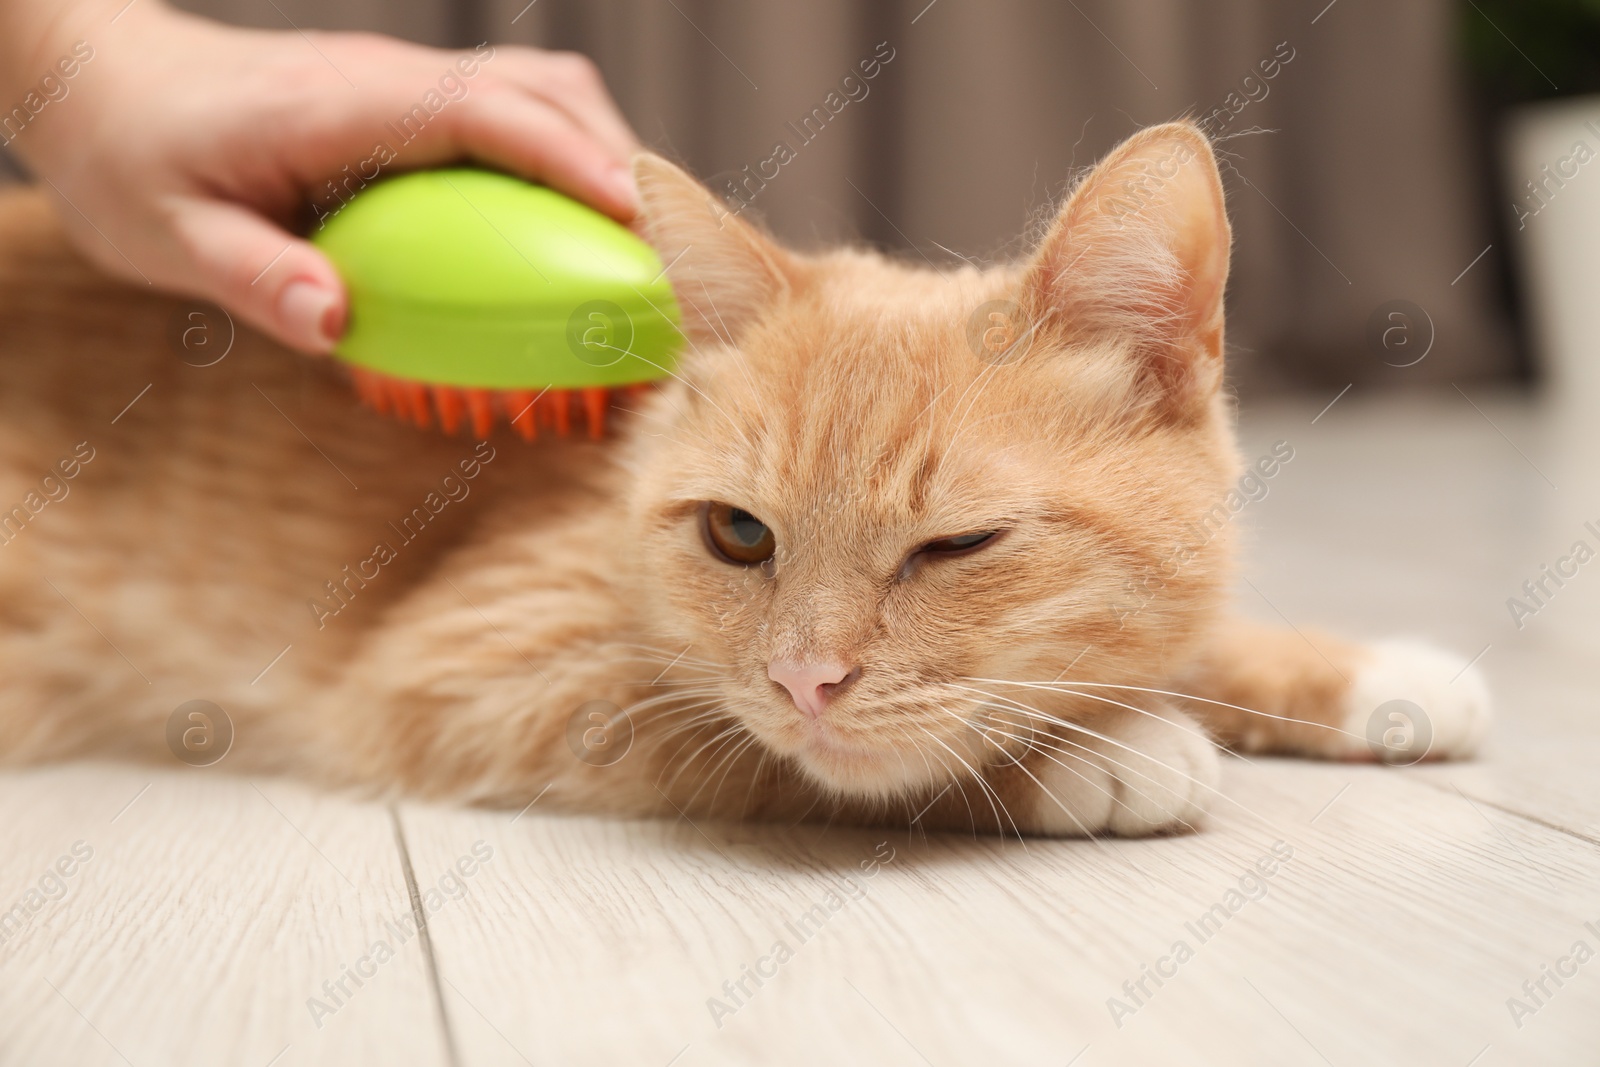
(737, 536)
(959, 544)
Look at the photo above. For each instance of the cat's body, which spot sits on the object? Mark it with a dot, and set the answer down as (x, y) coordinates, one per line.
(395, 610)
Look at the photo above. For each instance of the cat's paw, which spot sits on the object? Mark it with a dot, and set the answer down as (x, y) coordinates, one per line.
(1147, 773)
(1411, 701)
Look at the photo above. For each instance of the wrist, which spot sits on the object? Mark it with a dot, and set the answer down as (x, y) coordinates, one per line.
(45, 52)
(31, 32)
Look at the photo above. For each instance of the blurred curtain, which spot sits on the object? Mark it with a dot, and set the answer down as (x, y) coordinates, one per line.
(1352, 174)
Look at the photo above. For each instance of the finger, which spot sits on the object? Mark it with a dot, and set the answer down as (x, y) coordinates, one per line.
(276, 282)
(571, 82)
(510, 130)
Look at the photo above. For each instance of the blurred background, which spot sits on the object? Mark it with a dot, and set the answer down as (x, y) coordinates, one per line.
(1383, 160)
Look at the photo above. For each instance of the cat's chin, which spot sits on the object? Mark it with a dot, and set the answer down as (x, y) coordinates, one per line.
(856, 770)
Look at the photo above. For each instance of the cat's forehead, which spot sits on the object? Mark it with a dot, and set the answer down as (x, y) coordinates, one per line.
(851, 444)
(864, 327)
(825, 478)
(860, 400)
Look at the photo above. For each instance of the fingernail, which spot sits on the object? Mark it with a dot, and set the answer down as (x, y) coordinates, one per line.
(310, 312)
(620, 182)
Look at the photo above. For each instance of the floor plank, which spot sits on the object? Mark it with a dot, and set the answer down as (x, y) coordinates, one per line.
(1544, 750)
(209, 911)
(1416, 912)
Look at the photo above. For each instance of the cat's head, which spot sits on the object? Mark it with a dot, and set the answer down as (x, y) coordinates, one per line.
(876, 489)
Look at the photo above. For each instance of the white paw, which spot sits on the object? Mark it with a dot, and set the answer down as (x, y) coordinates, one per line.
(1412, 701)
(1148, 773)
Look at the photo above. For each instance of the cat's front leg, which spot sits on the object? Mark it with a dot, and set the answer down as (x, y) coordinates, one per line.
(1132, 773)
(1263, 689)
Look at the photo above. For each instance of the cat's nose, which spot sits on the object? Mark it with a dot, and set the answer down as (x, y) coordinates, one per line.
(812, 685)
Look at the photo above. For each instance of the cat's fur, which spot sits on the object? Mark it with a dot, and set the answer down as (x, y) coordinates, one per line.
(838, 397)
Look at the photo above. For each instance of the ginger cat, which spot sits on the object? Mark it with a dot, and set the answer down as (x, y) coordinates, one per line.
(896, 545)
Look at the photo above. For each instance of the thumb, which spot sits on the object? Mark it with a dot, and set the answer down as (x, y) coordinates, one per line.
(271, 279)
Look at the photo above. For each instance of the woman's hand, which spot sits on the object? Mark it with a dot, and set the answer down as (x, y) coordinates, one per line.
(186, 153)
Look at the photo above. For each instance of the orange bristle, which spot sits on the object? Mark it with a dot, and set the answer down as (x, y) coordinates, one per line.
(525, 409)
(399, 398)
(519, 408)
(481, 406)
(370, 388)
(562, 402)
(450, 407)
(421, 410)
(595, 402)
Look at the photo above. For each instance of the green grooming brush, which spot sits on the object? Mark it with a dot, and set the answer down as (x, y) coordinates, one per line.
(474, 294)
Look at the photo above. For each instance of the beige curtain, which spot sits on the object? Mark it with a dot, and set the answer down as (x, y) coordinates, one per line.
(1360, 188)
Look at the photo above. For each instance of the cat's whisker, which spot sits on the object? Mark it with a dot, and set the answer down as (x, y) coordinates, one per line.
(969, 427)
(701, 713)
(702, 682)
(1030, 744)
(725, 335)
(1080, 728)
(716, 725)
(670, 372)
(679, 425)
(704, 706)
(729, 763)
(704, 717)
(734, 744)
(911, 825)
(1219, 746)
(721, 737)
(979, 381)
(929, 405)
(649, 656)
(659, 666)
(1060, 687)
(697, 675)
(708, 713)
(816, 798)
(727, 338)
(694, 685)
(695, 695)
(991, 417)
(988, 790)
(675, 703)
(1077, 746)
(960, 784)
(949, 776)
(1033, 744)
(683, 765)
(1083, 829)
(755, 778)
(680, 656)
(658, 710)
(899, 754)
(709, 686)
(1115, 703)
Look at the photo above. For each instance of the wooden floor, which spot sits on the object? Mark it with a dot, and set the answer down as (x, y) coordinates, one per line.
(1330, 914)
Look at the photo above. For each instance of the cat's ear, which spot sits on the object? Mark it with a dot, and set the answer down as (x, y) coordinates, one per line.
(1139, 253)
(725, 272)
